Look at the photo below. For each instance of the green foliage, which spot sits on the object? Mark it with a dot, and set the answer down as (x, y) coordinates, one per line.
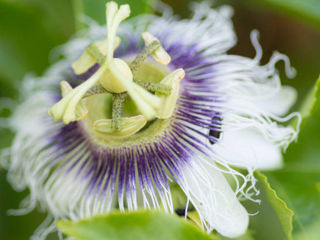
(281, 209)
(299, 182)
(306, 9)
(272, 219)
(306, 150)
(311, 232)
(247, 236)
(138, 225)
(96, 11)
(28, 32)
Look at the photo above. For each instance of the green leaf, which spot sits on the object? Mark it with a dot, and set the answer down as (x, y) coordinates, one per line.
(281, 209)
(96, 9)
(138, 225)
(302, 193)
(306, 9)
(271, 219)
(306, 151)
(247, 236)
(312, 232)
(29, 30)
(299, 182)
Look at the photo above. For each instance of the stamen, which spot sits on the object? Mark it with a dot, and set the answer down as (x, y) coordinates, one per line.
(129, 126)
(155, 87)
(136, 63)
(87, 60)
(160, 55)
(65, 88)
(169, 102)
(98, 89)
(66, 108)
(94, 52)
(81, 110)
(117, 105)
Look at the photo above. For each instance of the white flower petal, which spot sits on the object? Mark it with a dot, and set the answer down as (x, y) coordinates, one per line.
(210, 29)
(215, 201)
(280, 102)
(248, 148)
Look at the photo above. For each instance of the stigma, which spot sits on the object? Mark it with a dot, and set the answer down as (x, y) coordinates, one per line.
(118, 78)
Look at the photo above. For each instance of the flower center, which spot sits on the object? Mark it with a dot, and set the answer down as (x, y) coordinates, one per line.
(124, 97)
(100, 106)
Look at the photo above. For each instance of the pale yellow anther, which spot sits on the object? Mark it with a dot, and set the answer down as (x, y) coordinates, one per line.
(81, 111)
(86, 61)
(66, 108)
(168, 103)
(102, 45)
(160, 55)
(65, 88)
(129, 126)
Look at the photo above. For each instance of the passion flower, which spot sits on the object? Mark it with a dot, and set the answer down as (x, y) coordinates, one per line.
(146, 104)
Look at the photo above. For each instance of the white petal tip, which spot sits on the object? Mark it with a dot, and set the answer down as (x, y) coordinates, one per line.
(237, 226)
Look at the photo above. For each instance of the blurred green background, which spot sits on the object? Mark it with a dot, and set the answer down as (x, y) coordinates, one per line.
(30, 29)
